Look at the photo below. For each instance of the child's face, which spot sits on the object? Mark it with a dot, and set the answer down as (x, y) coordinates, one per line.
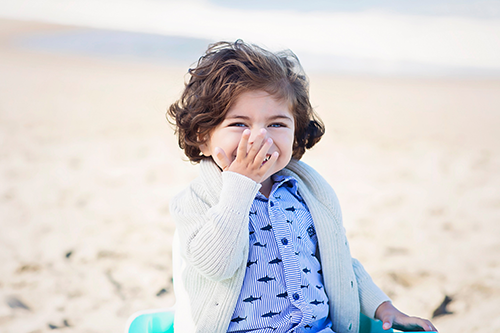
(255, 110)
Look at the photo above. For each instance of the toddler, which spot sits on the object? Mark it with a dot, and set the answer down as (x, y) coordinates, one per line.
(259, 233)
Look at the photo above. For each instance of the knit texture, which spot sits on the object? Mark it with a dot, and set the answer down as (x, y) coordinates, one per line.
(212, 217)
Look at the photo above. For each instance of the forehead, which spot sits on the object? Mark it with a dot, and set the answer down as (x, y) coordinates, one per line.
(259, 102)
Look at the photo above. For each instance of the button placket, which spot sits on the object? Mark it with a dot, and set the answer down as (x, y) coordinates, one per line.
(282, 207)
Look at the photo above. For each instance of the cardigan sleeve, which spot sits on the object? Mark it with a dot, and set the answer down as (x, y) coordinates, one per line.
(213, 237)
(370, 295)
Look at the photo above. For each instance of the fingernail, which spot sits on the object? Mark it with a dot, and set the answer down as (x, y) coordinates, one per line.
(387, 326)
(247, 131)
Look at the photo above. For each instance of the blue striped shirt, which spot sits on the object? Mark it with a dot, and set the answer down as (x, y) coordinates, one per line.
(283, 285)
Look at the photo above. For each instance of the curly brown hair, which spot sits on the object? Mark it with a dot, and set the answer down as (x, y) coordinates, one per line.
(222, 74)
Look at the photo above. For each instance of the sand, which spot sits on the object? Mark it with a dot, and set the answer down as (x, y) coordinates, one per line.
(89, 164)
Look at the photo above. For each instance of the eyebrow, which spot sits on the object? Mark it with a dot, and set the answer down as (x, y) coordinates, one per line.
(279, 116)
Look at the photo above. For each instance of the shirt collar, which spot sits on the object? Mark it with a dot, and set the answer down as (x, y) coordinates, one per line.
(281, 181)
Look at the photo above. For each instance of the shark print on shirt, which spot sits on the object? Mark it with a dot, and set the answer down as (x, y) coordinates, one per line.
(276, 291)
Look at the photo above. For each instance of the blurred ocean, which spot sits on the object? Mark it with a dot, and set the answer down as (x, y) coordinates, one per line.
(424, 38)
(119, 45)
(467, 8)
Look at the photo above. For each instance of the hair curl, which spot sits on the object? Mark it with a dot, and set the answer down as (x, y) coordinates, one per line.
(222, 74)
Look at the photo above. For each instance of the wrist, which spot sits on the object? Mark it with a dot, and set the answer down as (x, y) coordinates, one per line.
(383, 308)
(238, 191)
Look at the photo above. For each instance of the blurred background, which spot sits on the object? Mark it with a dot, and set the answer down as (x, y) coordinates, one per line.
(409, 92)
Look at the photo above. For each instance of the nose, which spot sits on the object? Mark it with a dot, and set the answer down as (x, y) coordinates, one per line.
(256, 132)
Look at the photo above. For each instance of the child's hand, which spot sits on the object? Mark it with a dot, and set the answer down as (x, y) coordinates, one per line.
(250, 157)
(392, 317)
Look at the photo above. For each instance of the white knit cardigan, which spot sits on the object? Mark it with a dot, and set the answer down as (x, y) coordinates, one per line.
(212, 217)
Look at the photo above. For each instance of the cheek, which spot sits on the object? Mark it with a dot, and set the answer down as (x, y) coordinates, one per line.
(290, 138)
(228, 141)
(285, 142)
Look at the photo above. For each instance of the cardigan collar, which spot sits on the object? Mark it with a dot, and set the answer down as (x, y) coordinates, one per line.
(211, 175)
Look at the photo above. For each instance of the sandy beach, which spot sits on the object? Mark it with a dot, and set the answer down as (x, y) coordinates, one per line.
(88, 164)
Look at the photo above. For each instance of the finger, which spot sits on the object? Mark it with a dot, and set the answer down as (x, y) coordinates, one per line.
(261, 156)
(429, 327)
(270, 162)
(387, 323)
(221, 158)
(408, 327)
(424, 325)
(256, 145)
(242, 146)
(413, 324)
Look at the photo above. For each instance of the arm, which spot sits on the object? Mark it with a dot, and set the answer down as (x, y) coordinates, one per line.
(375, 304)
(213, 238)
(370, 295)
(392, 317)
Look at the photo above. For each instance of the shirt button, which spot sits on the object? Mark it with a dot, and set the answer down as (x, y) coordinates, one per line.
(284, 241)
(296, 296)
(271, 203)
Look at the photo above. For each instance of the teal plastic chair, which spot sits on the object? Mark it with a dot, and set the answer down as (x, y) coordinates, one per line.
(151, 321)
(162, 321)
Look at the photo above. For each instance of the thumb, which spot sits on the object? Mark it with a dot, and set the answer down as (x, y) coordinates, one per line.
(221, 158)
(387, 323)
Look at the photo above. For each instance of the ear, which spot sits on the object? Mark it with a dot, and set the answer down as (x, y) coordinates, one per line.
(204, 150)
(204, 147)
